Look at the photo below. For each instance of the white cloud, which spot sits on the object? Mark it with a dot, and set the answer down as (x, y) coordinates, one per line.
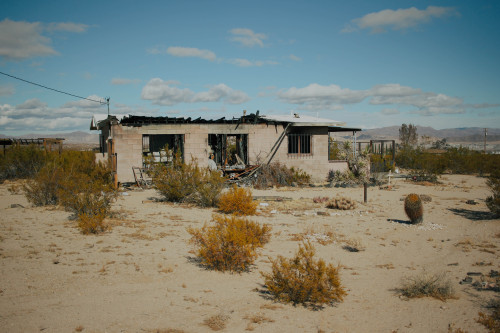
(123, 81)
(399, 19)
(316, 97)
(247, 37)
(249, 63)
(67, 26)
(166, 93)
(294, 57)
(21, 40)
(178, 51)
(315, 94)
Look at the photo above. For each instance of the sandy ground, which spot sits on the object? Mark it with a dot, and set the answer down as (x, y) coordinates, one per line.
(141, 277)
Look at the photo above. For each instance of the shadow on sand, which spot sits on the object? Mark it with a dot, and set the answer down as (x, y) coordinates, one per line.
(399, 221)
(473, 215)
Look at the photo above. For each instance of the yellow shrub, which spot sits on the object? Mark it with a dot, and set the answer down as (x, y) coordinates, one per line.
(91, 223)
(237, 201)
(230, 244)
(303, 279)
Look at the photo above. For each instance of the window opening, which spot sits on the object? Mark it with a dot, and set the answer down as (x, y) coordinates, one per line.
(300, 144)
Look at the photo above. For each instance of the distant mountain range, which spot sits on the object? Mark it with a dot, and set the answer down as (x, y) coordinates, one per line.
(72, 137)
(468, 134)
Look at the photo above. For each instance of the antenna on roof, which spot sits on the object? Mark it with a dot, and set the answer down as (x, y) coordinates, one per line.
(107, 102)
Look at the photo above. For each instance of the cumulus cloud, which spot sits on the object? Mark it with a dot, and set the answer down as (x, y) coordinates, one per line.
(21, 40)
(123, 81)
(399, 19)
(167, 93)
(247, 37)
(294, 57)
(315, 97)
(178, 51)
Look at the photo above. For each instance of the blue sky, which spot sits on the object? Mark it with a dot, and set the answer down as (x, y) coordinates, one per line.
(368, 63)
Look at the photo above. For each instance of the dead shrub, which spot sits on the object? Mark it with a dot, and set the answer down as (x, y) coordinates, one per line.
(230, 244)
(304, 279)
(237, 201)
(341, 203)
(427, 285)
(276, 174)
(492, 320)
(216, 322)
(353, 245)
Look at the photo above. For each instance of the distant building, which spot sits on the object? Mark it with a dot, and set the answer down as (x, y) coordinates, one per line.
(293, 140)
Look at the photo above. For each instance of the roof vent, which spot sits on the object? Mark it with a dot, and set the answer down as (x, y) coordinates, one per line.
(296, 115)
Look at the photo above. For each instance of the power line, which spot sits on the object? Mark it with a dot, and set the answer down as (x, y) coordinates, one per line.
(59, 91)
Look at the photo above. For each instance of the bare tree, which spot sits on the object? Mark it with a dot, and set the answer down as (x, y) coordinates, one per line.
(408, 135)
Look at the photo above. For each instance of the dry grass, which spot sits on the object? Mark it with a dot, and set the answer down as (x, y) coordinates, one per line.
(427, 285)
(216, 322)
(354, 245)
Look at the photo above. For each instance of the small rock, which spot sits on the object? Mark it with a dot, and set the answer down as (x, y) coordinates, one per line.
(16, 206)
(323, 213)
(471, 202)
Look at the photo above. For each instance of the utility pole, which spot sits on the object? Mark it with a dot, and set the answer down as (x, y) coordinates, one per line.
(485, 134)
(107, 102)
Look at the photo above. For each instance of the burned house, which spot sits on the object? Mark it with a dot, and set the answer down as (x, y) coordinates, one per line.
(293, 140)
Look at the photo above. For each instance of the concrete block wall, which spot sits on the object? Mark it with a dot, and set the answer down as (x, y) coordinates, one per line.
(261, 138)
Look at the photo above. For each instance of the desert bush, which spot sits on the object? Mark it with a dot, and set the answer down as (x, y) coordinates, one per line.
(359, 166)
(493, 201)
(354, 245)
(22, 161)
(42, 189)
(276, 174)
(304, 279)
(237, 201)
(230, 244)
(341, 203)
(320, 199)
(492, 320)
(414, 208)
(181, 182)
(427, 285)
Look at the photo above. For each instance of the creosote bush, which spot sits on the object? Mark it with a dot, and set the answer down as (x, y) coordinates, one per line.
(493, 201)
(304, 279)
(237, 201)
(22, 161)
(414, 208)
(427, 285)
(341, 203)
(181, 182)
(74, 180)
(230, 244)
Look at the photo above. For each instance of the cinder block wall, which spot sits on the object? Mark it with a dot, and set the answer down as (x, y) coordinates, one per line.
(261, 138)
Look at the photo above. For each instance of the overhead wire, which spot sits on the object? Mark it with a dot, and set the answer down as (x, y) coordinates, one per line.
(59, 91)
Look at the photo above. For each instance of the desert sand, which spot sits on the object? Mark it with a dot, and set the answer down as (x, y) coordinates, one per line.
(142, 276)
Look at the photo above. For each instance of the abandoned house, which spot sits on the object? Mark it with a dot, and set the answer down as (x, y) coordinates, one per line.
(233, 144)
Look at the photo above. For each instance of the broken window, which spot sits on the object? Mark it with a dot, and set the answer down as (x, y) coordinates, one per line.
(162, 147)
(229, 150)
(300, 144)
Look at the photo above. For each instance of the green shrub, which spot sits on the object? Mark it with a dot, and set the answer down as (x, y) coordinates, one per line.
(427, 285)
(22, 161)
(414, 208)
(181, 182)
(230, 244)
(493, 201)
(237, 201)
(304, 279)
(42, 189)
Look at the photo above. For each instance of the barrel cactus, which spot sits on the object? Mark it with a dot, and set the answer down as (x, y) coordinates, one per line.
(414, 208)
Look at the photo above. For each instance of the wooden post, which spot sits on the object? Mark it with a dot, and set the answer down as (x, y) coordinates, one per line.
(365, 196)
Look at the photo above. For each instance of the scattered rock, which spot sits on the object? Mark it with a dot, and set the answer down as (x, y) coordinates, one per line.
(471, 202)
(16, 206)
(323, 213)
